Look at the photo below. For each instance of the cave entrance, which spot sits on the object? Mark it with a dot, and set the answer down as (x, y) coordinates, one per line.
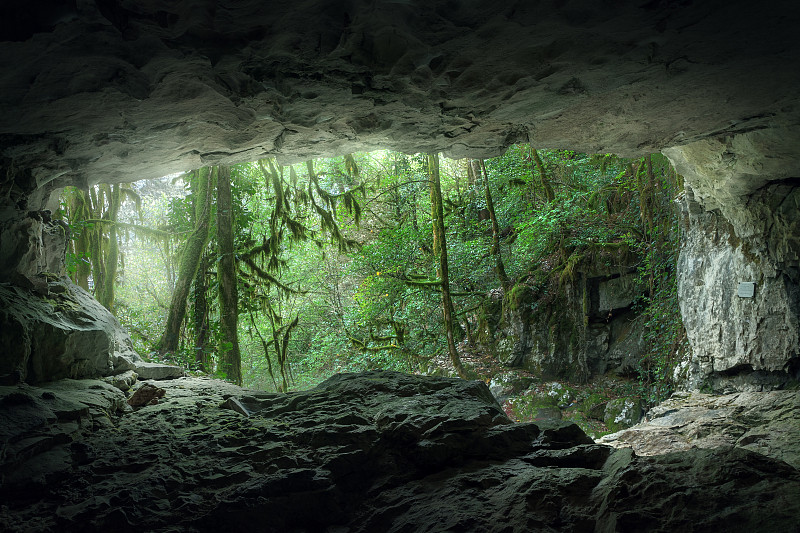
(556, 260)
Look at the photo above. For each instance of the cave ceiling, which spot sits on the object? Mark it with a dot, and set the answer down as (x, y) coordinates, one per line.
(120, 90)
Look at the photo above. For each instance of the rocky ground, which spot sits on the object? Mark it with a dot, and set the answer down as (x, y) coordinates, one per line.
(764, 422)
(377, 451)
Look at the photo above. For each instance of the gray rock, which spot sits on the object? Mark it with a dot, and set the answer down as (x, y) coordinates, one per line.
(374, 80)
(730, 334)
(146, 394)
(38, 427)
(123, 381)
(622, 413)
(158, 371)
(617, 293)
(763, 422)
(506, 383)
(64, 333)
(378, 451)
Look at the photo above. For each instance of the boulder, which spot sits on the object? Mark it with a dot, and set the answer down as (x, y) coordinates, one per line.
(146, 394)
(505, 384)
(622, 413)
(122, 381)
(60, 332)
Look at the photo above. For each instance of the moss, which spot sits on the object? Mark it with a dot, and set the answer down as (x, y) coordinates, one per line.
(519, 296)
(526, 408)
(622, 413)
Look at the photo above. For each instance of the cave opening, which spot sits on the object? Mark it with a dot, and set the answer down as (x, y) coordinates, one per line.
(92, 437)
(551, 236)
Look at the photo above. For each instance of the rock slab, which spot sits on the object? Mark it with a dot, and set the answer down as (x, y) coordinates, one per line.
(763, 422)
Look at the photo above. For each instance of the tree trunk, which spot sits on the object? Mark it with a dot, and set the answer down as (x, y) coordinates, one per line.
(201, 315)
(440, 249)
(190, 259)
(79, 212)
(104, 289)
(549, 195)
(95, 238)
(230, 358)
(499, 266)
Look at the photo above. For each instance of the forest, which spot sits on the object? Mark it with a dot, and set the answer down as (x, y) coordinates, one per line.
(277, 276)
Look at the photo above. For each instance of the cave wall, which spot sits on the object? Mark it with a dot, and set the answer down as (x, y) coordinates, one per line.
(741, 214)
(120, 90)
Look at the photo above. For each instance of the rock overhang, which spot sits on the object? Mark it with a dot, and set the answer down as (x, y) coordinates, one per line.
(119, 91)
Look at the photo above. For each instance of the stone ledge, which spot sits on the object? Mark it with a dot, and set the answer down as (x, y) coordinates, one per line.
(158, 371)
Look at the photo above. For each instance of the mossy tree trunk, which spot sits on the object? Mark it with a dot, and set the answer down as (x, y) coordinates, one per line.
(549, 194)
(499, 266)
(190, 259)
(230, 357)
(201, 315)
(81, 210)
(440, 250)
(104, 287)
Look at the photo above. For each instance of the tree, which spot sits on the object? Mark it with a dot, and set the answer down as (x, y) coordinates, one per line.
(202, 183)
(104, 284)
(440, 250)
(549, 194)
(201, 315)
(499, 267)
(230, 358)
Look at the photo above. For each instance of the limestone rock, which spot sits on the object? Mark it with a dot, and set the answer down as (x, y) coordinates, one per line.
(562, 395)
(157, 371)
(720, 489)
(38, 428)
(146, 394)
(504, 384)
(122, 381)
(622, 413)
(30, 244)
(378, 451)
(617, 293)
(588, 329)
(730, 334)
(763, 422)
(125, 92)
(63, 333)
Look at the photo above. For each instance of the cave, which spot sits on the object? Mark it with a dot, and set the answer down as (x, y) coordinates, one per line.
(116, 90)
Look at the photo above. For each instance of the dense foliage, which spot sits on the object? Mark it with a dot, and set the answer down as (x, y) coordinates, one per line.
(336, 265)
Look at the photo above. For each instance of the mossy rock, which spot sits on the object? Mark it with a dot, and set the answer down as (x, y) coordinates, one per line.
(594, 406)
(562, 395)
(518, 297)
(509, 383)
(527, 407)
(623, 413)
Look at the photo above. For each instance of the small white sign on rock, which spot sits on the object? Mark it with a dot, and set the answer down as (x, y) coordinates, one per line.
(747, 289)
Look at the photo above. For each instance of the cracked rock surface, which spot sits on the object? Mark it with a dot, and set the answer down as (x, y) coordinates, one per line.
(764, 422)
(377, 451)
